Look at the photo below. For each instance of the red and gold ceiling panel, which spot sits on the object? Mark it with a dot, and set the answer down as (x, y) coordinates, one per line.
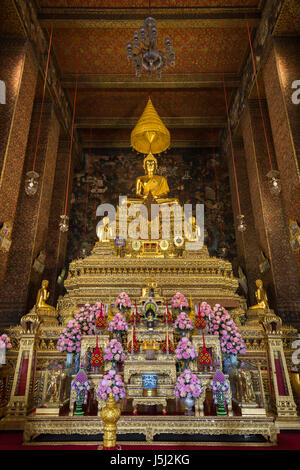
(168, 103)
(145, 3)
(93, 51)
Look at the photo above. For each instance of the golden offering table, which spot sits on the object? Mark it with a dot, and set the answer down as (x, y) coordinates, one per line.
(163, 367)
(149, 401)
(151, 426)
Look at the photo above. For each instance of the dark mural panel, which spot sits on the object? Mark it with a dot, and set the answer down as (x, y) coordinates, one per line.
(194, 176)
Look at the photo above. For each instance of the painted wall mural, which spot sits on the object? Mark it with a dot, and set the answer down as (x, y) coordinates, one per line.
(194, 176)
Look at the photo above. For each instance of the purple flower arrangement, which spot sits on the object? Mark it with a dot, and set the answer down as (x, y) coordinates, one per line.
(220, 384)
(114, 351)
(111, 383)
(185, 350)
(179, 301)
(187, 385)
(123, 301)
(222, 325)
(118, 323)
(80, 386)
(183, 323)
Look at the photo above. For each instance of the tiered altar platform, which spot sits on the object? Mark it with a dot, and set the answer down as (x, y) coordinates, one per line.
(152, 427)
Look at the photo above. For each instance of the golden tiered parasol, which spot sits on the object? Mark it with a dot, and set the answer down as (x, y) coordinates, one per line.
(150, 134)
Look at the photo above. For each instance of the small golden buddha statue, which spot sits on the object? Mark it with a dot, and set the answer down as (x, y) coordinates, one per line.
(42, 296)
(45, 311)
(261, 297)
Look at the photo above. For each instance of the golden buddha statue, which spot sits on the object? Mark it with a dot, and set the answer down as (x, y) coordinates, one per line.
(45, 311)
(151, 183)
(261, 297)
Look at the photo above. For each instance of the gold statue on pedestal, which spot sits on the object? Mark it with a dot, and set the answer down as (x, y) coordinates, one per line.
(110, 415)
(261, 297)
(45, 311)
(151, 183)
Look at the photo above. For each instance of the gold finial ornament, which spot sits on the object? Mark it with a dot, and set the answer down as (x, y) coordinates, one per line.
(150, 135)
(110, 415)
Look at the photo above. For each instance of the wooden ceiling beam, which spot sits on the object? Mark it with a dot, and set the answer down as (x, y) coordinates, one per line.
(122, 81)
(100, 144)
(166, 17)
(170, 122)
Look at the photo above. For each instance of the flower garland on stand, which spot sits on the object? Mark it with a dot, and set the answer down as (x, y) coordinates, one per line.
(170, 347)
(100, 318)
(80, 387)
(114, 352)
(111, 383)
(222, 324)
(135, 317)
(185, 351)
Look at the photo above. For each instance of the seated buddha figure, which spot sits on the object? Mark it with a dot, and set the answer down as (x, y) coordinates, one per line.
(261, 297)
(42, 296)
(152, 184)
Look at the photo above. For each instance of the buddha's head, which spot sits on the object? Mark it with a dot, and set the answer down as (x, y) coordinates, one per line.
(45, 283)
(259, 283)
(150, 164)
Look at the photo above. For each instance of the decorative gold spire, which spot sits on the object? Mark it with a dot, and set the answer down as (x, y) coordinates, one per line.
(150, 134)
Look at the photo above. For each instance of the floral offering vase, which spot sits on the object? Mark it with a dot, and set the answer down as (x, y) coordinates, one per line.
(69, 360)
(118, 336)
(229, 361)
(189, 403)
(77, 362)
(186, 363)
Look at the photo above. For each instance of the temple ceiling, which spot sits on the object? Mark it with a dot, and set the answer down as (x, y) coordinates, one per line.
(210, 42)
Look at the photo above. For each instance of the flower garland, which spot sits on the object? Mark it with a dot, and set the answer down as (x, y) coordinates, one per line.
(185, 350)
(183, 323)
(114, 351)
(188, 385)
(118, 323)
(179, 301)
(123, 301)
(222, 325)
(111, 383)
(170, 348)
(82, 324)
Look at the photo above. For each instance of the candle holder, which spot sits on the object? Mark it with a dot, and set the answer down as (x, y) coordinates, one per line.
(31, 183)
(274, 182)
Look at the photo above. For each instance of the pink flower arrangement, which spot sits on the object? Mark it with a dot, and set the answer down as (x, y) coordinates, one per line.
(179, 301)
(5, 341)
(118, 323)
(70, 339)
(111, 383)
(123, 301)
(83, 324)
(185, 350)
(222, 325)
(188, 385)
(114, 351)
(205, 310)
(183, 323)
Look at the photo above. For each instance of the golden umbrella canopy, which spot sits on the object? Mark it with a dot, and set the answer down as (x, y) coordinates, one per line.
(150, 134)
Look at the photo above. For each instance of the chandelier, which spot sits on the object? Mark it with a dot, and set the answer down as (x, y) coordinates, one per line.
(147, 56)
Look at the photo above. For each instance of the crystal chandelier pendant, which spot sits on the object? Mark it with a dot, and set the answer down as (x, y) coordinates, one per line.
(31, 183)
(242, 227)
(143, 53)
(64, 223)
(274, 182)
